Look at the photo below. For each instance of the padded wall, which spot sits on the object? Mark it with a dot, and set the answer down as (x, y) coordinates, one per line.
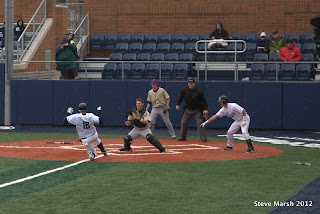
(2, 79)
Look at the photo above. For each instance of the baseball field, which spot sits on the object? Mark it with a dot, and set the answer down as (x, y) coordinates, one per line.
(193, 177)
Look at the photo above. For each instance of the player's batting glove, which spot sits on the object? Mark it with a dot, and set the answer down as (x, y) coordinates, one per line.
(204, 123)
(244, 121)
(70, 110)
(99, 108)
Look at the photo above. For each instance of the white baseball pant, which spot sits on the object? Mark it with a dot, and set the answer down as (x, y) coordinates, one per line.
(235, 126)
(135, 133)
(89, 143)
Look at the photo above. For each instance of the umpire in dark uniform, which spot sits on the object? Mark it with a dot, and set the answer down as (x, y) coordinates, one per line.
(195, 106)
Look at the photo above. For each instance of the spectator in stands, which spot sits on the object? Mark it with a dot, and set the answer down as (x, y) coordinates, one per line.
(290, 53)
(3, 31)
(67, 52)
(317, 39)
(263, 43)
(219, 33)
(277, 43)
(18, 30)
(70, 37)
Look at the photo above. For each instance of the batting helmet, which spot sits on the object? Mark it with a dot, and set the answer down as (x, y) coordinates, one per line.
(223, 99)
(82, 107)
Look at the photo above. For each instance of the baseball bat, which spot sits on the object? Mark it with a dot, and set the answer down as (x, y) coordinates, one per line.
(61, 142)
(305, 164)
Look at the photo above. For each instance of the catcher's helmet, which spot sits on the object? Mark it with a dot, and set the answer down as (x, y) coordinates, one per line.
(82, 107)
(223, 99)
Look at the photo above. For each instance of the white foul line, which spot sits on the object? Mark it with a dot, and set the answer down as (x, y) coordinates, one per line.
(45, 173)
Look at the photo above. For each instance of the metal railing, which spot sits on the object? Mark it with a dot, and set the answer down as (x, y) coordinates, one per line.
(81, 34)
(33, 27)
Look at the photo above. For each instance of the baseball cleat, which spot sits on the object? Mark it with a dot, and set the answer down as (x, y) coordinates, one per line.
(250, 150)
(91, 155)
(228, 148)
(173, 137)
(181, 139)
(163, 151)
(104, 153)
(125, 149)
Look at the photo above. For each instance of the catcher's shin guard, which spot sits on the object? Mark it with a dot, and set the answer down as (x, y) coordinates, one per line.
(127, 143)
(250, 146)
(155, 142)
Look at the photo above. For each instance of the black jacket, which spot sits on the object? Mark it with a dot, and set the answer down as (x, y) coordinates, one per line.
(219, 34)
(317, 33)
(194, 99)
(18, 30)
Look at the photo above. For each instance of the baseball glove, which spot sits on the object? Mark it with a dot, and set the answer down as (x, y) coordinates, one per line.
(136, 114)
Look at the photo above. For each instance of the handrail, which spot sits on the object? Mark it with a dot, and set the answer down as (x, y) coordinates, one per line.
(81, 29)
(221, 51)
(81, 23)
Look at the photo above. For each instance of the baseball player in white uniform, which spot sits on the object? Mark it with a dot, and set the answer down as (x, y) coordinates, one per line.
(87, 132)
(241, 120)
(140, 118)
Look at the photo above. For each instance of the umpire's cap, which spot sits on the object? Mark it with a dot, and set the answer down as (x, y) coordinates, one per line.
(82, 107)
(223, 99)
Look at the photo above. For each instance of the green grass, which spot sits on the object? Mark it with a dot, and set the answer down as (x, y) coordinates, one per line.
(202, 187)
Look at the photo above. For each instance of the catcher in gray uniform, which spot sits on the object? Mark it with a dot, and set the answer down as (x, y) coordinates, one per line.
(141, 127)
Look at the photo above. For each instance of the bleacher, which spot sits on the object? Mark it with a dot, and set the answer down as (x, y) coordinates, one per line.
(151, 48)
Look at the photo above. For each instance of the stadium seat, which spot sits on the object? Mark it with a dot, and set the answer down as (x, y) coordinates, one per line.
(260, 57)
(151, 38)
(235, 36)
(250, 51)
(137, 38)
(177, 48)
(309, 48)
(307, 57)
(137, 71)
(121, 48)
(293, 36)
(287, 71)
(192, 38)
(163, 47)
(135, 48)
(96, 41)
(271, 70)
(152, 71)
(249, 37)
(157, 57)
(126, 71)
(171, 57)
(231, 56)
(180, 71)
(191, 48)
(219, 57)
(116, 57)
(109, 71)
(129, 57)
(110, 42)
(143, 57)
(274, 57)
(298, 45)
(166, 71)
(164, 38)
(257, 72)
(205, 37)
(124, 38)
(303, 72)
(149, 48)
(306, 38)
(186, 57)
(178, 38)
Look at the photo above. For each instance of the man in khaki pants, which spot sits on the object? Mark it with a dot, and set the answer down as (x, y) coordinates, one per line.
(160, 101)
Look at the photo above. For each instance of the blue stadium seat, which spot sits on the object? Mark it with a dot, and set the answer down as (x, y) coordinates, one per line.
(307, 57)
(137, 71)
(287, 71)
(157, 57)
(164, 38)
(178, 38)
(293, 36)
(151, 38)
(163, 47)
(257, 72)
(271, 70)
(166, 71)
(186, 57)
(129, 57)
(124, 38)
(152, 71)
(126, 71)
(192, 38)
(171, 57)
(191, 48)
(205, 37)
(143, 57)
(274, 57)
(219, 57)
(249, 37)
(250, 51)
(231, 56)
(298, 45)
(180, 71)
(137, 38)
(260, 57)
(309, 48)
(96, 41)
(303, 72)
(177, 48)
(235, 36)
(110, 42)
(121, 48)
(135, 47)
(306, 38)
(116, 57)
(109, 71)
(149, 48)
